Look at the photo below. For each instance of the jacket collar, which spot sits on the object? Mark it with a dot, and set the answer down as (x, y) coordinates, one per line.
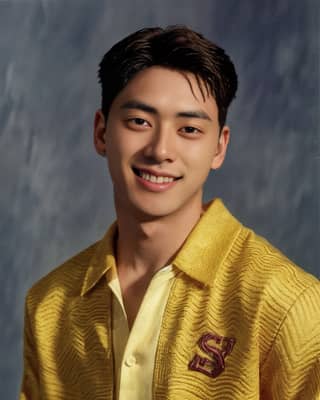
(206, 247)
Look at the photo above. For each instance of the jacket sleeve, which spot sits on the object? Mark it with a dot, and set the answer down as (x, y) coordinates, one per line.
(292, 368)
(30, 379)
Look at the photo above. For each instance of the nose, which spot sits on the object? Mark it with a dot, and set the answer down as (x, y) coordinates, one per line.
(162, 146)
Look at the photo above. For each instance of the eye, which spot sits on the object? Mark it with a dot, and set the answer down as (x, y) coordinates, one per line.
(138, 121)
(190, 130)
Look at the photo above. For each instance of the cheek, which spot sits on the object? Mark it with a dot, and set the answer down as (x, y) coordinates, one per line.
(200, 159)
(119, 155)
(124, 145)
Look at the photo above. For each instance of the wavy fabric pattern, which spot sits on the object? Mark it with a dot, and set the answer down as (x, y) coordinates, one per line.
(230, 283)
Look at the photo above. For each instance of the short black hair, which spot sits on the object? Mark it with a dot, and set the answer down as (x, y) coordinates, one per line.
(175, 47)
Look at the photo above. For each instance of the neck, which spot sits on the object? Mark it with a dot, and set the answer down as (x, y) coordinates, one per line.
(145, 246)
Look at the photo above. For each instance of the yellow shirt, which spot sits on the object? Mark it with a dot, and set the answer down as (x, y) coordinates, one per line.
(134, 352)
(241, 322)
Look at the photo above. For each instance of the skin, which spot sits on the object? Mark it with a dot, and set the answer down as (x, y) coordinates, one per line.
(158, 123)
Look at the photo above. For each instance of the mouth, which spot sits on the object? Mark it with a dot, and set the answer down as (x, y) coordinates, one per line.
(149, 176)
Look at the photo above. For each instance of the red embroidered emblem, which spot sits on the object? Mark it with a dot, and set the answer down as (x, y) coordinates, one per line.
(217, 348)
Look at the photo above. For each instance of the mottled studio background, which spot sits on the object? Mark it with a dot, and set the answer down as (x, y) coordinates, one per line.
(56, 197)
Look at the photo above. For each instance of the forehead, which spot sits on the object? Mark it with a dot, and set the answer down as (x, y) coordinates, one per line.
(168, 90)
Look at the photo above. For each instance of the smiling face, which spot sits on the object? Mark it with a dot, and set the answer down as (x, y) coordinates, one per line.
(161, 139)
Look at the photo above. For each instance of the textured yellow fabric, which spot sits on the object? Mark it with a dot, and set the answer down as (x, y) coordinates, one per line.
(134, 352)
(241, 322)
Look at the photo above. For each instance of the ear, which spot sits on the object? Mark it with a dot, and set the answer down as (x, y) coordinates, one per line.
(221, 148)
(99, 133)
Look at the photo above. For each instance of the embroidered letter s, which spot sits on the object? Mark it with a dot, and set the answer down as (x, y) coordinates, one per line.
(217, 348)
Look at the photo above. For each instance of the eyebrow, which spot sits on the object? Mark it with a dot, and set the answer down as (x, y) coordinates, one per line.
(138, 105)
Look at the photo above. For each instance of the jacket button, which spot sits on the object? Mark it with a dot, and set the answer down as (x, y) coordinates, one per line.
(130, 361)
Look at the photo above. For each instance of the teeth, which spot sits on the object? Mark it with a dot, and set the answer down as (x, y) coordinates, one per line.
(156, 179)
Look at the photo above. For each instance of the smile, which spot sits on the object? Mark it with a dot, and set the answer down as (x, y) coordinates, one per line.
(154, 182)
(154, 178)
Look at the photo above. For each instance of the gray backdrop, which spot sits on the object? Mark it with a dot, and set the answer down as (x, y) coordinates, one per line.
(56, 196)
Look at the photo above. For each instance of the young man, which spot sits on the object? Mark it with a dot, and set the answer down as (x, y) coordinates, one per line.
(178, 300)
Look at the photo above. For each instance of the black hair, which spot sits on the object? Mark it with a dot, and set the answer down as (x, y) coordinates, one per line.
(175, 47)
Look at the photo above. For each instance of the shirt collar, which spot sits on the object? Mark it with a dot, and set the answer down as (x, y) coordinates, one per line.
(102, 261)
(208, 244)
(205, 249)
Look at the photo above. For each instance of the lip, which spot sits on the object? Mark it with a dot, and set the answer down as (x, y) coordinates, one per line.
(156, 173)
(153, 186)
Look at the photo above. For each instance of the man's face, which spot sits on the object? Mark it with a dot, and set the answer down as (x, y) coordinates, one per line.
(161, 139)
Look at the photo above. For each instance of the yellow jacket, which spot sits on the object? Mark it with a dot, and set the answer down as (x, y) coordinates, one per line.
(241, 322)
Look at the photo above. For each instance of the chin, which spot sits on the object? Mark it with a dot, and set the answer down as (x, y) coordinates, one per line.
(153, 211)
